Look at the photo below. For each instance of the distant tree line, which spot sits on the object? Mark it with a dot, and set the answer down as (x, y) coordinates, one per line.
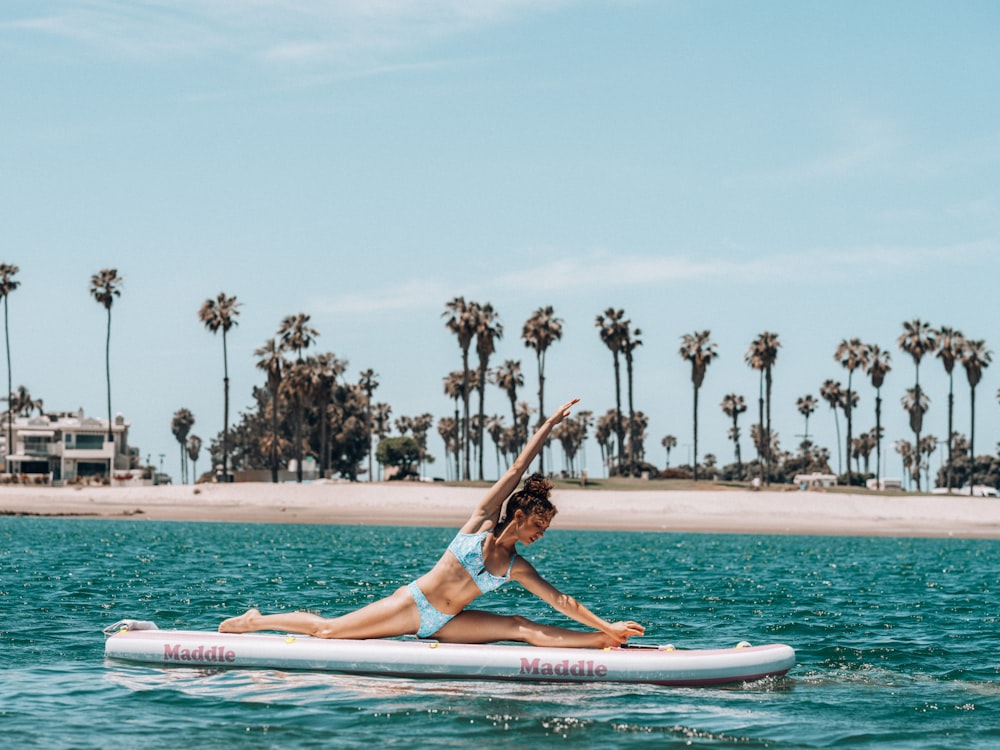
(306, 407)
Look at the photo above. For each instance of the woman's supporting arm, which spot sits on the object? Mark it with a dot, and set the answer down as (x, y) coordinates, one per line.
(525, 574)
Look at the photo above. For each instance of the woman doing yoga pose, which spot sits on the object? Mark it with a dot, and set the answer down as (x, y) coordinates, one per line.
(481, 558)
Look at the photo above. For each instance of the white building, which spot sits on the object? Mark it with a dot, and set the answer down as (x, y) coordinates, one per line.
(65, 447)
(816, 479)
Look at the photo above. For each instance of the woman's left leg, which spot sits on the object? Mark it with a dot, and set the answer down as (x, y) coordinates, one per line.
(395, 615)
(476, 626)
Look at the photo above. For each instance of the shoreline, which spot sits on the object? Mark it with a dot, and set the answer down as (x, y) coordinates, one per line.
(427, 504)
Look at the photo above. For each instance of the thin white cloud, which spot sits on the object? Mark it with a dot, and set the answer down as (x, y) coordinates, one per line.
(601, 270)
(866, 145)
(409, 295)
(277, 32)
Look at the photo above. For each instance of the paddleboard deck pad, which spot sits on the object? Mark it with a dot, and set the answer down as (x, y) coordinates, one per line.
(142, 642)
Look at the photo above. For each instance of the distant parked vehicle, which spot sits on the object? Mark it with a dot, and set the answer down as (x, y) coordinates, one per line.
(161, 478)
(980, 490)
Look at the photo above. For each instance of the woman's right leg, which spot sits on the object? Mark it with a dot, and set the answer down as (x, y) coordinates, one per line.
(476, 626)
(395, 615)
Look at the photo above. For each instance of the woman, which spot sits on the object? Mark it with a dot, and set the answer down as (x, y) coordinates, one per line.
(481, 558)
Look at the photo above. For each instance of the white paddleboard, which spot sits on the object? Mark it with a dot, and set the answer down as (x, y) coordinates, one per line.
(143, 642)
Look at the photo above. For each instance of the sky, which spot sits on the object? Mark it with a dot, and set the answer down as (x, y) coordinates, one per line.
(823, 170)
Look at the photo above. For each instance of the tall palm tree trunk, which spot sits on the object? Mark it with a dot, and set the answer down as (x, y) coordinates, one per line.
(465, 415)
(107, 370)
(767, 443)
(631, 418)
(458, 443)
(225, 409)
(878, 437)
(951, 408)
(736, 442)
(695, 463)
(540, 360)
(761, 443)
(274, 436)
(619, 428)
(972, 440)
(916, 394)
(848, 410)
(840, 446)
(10, 388)
(482, 425)
(324, 453)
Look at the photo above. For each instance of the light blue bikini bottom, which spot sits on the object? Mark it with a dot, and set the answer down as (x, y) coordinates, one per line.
(431, 620)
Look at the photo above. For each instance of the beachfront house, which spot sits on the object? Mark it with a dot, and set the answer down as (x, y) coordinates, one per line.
(66, 447)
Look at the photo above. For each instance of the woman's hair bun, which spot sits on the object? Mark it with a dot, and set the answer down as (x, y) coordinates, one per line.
(537, 486)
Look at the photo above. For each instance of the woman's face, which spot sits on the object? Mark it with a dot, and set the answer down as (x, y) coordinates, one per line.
(532, 528)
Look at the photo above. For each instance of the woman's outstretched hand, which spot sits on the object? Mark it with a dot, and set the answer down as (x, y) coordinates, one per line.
(563, 411)
(625, 630)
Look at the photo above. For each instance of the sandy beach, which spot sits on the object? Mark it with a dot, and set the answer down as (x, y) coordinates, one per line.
(427, 504)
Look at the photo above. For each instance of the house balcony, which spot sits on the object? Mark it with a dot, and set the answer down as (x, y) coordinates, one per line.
(40, 451)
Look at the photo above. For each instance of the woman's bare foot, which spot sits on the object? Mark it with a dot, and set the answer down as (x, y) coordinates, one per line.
(241, 624)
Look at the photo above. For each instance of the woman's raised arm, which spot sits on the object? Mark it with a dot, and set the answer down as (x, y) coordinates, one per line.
(487, 513)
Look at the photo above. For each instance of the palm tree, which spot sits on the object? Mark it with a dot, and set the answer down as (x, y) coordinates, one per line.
(928, 444)
(851, 354)
(220, 314)
(669, 442)
(585, 420)
(455, 389)
(193, 451)
(613, 330)
(630, 341)
(22, 404)
(448, 430)
(421, 425)
(734, 405)
(831, 392)
(8, 285)
(698, 349)
(495, 429)
(975, 358)
(917, 339)
(603, 430)
(861, 448)
(368, 385)
(508, 378)
(950, 344)
(905, 449)
(381, 414)
(916, 403)
(273, 363)
(488, 330)
(324, 369)
(540, 331)
(762, 355)
(806, 405)
(295, 334)
(297, 386)
(180, 426)
(462, 321)
(878, 367)
(104, 286)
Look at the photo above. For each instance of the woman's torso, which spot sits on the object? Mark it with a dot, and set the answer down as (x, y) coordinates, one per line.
(450, 587)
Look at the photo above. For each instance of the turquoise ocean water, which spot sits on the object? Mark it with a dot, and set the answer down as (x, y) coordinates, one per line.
(897, 639)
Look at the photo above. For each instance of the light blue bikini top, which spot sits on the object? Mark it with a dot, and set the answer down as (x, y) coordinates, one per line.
(468, 548)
